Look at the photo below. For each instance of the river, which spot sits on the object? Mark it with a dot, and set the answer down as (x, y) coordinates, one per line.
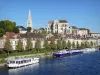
(84, 64)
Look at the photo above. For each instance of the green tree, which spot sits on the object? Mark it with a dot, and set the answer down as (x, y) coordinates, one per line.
(1, 32)
(87, 44)
(82, 45)
(29, 45)
(16, 30)
(9, 29)
(94, 44)
(2, 25)
(46, 45)
(73, 44)
(53, 45)
(19, 46)
(77, 45)
(59, 44)
(69, 44)
(8, 26)
(91, 44)
(38, 45)
(64, 44)
(7, 46)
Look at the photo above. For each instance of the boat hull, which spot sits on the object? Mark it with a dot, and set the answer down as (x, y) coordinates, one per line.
(61, 55)
(23, 64)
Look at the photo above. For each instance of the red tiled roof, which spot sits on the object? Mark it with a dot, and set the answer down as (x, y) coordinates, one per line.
(12, 35)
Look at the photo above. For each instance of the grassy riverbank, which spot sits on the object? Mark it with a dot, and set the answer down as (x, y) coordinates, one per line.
(45, 52)
(40, 53)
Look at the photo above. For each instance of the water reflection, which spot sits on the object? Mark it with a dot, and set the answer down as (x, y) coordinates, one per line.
(26, 69)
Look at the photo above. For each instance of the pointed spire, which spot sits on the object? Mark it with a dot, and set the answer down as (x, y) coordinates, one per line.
(29, 14)
(29, 21)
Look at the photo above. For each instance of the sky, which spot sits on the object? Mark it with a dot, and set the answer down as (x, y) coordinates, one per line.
(79, 13)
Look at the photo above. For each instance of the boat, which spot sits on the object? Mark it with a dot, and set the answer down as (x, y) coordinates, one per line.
(61, 53)
(67, 53)
(20, 62)
(88, 50)
(16, 71)
(75, 52)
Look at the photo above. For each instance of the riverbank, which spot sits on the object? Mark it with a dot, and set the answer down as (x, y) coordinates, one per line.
(26, 54)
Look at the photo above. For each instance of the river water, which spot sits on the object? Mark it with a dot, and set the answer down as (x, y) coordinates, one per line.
(84, 64)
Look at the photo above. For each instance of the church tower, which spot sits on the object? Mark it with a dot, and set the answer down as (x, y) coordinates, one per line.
(29, 21)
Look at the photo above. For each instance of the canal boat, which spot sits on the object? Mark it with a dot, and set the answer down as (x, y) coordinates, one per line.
(67, 53)
(20, 62)
(61, 53)
(75, 52)
(88, 50)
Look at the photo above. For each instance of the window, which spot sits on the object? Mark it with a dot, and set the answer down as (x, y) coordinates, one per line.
(12, 62)
(16, 62)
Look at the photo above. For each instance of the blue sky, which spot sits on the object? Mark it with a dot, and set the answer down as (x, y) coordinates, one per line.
(81, 13)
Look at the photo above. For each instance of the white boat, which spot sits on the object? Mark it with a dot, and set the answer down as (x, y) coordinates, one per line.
(88, 50)
(19, 62)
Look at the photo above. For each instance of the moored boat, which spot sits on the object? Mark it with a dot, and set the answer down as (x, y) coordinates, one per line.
(61, 53)
(19, 62)
(67, 53)
(75, 52)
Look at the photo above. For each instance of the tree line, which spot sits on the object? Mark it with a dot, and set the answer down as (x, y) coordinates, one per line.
(60, 44)
(7, 26)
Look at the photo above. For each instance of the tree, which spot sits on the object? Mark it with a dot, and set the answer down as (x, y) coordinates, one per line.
(91, 44)
(38, 45)
(94, 44)
(8, 26)
(46, 45)
(29, 45)
(53, 45)
(86, 44)
(82, 44)
(29, 29)
(77, 45)
(64, 44)
(19, 46)
(59, 44)
(16, 30)
(73, 44)
(7, 46)
(2, 24)
(68, 44)
(9, 29)
(1, 32)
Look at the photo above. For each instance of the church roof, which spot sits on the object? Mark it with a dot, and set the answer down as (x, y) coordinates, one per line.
(63, 21)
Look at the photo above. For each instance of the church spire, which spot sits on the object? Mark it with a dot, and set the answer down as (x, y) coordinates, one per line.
(29, 21)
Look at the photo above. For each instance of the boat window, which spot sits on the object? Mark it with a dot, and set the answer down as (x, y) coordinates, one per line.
(24, 61)
(16, 62)
(21, 62)
(12, 62)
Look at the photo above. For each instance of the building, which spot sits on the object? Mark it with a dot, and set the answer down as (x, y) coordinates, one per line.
(72, 30)
(22, 29)
(29, 21)
(57, 26)
(83, 32)
(95, 35)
